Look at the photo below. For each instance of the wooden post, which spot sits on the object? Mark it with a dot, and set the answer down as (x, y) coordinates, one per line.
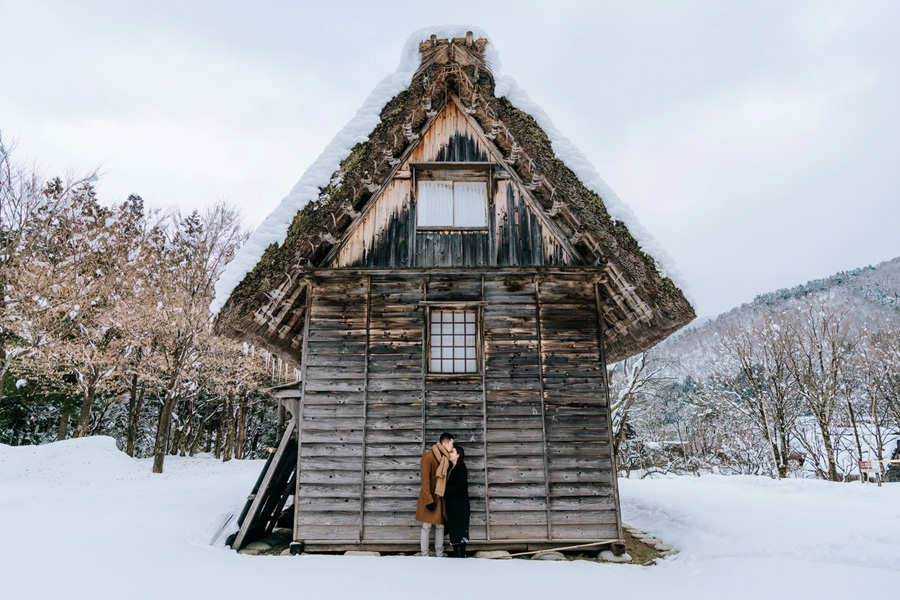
(609, 421)
(304, 358)
(425, 353)
(540, 335)
(281, 418)
(484, 441)
(362, 467)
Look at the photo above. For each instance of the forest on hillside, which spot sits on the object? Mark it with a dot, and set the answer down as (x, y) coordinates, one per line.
(800, 382)
(105, 326)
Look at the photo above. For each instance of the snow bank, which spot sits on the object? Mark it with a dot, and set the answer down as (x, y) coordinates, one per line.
(717, 516)
(274, 229)
(86, 459)
(137, 535)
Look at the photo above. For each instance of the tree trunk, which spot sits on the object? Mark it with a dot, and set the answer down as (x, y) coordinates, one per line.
(781, 432)
(855, 426)
(773, 446)
(135, 403)
(228, 449)
(3, 373)
(829, 453)
(63, 429)
(242, 430)
(82, 428)
(209, 440)
(163, 428)
(220, 432)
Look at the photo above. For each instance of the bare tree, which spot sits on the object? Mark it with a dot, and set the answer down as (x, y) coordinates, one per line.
(751, 371)
(630, 382)
(199, 248)
(823, 340)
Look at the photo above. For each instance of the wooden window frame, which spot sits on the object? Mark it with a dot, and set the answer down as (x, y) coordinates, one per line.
(462, 172)
(478, 309)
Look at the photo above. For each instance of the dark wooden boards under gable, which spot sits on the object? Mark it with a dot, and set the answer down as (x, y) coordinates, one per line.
(386, 233)
(533, 420)
(461, 147)
(514, 236)
(452, 249)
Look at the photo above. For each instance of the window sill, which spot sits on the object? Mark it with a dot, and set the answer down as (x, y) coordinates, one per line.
(448, 229)
(452, 376)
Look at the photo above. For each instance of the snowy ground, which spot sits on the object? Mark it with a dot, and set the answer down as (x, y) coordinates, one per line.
(79, 519)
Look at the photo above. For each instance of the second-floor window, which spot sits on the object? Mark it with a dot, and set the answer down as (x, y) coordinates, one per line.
(452, 204)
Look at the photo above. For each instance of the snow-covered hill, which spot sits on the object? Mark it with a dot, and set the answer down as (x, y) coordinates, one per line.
(79, 519)
(871, 290)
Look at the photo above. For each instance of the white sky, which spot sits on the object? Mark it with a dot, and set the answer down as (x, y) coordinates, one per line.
(759, 142)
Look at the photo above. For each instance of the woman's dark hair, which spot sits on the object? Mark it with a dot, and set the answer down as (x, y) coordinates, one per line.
(461, 451)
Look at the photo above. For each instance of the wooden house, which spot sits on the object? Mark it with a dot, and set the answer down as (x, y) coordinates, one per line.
(455, 276)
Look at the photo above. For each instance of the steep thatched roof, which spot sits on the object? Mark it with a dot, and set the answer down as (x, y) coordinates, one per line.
(642, 307)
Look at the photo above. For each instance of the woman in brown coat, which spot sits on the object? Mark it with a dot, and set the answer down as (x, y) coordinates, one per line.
(430, 510)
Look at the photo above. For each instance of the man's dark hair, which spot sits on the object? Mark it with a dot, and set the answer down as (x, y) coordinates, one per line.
(446, 436)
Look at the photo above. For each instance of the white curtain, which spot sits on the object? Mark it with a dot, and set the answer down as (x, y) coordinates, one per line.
(435, 204)
(470, 204)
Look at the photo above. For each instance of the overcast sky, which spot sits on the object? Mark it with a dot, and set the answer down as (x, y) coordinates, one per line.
(759, 142)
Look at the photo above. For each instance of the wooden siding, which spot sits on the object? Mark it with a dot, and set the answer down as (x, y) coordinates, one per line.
(533, 420)
(452, 138)
(386, 236)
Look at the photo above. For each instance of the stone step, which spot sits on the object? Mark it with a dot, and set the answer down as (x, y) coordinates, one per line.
(549, 556)
(608, 556)
(495, 554)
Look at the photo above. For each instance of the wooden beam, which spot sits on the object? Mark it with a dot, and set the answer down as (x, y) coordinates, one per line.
(540, 336)
(304, 359)
(487, 487)
(588, 271)
(362, 466)
(426, 354)
(609, 421)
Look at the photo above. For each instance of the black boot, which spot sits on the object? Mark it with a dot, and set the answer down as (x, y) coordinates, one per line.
(460, 550)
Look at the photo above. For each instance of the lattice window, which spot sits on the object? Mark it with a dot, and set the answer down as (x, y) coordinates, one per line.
(452, 341)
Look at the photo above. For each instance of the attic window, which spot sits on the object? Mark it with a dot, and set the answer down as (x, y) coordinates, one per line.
(452, 204)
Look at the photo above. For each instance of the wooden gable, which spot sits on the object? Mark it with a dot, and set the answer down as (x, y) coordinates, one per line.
(385, 234)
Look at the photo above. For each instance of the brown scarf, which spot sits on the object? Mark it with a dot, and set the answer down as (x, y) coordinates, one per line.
(443, 457)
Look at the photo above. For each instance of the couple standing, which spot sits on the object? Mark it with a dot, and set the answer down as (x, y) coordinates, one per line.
(444, 497)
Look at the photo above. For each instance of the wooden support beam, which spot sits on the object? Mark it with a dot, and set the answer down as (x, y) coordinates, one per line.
(365, 408)
(484, 441)
(537, 300)
(298, 415)
(609, 420)
(250, 518)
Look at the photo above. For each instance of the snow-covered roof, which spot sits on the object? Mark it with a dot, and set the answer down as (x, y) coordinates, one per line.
(261, 293)
(274, 229)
